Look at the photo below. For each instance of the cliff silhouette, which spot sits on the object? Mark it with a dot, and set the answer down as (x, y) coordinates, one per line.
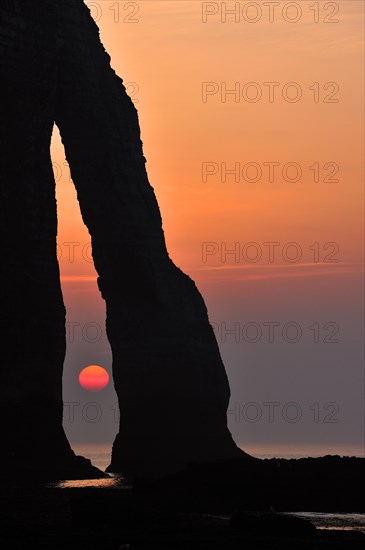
(169, 377)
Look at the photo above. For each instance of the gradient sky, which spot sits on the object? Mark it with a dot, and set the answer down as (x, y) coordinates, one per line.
(295, 358)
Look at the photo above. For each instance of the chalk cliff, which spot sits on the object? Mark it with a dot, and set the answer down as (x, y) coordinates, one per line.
(171, 383)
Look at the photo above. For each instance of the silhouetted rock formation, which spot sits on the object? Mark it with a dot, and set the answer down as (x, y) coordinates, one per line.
(171, 383)
(32, 309)
(272, 525)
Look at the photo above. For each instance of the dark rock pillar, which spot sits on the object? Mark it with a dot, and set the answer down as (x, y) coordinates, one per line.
(32, 313)
(171, 384)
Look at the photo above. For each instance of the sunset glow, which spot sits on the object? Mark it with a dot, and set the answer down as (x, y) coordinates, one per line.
(253, 135)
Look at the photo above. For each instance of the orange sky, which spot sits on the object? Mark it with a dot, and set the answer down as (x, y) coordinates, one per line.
(170, 53)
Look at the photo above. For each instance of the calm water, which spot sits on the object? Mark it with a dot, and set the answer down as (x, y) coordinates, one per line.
(100, 457)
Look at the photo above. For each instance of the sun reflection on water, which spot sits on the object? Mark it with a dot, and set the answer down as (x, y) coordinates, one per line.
(112, 482)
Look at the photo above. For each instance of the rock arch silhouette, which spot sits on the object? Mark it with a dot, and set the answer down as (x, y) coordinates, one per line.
(171, 383)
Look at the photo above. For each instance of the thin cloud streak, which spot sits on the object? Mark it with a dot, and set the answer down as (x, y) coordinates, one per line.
(265, 272)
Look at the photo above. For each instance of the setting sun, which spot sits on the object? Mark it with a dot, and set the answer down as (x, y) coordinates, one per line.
(93, 378)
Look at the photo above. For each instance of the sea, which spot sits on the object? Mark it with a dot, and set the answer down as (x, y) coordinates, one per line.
(100, 457)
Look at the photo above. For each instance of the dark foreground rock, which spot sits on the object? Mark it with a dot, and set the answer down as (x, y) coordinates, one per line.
(119, 520)
(271, 524)
(222, 507)
(329, 483)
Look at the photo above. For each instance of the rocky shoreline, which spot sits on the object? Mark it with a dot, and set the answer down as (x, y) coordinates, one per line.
(215, 506)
